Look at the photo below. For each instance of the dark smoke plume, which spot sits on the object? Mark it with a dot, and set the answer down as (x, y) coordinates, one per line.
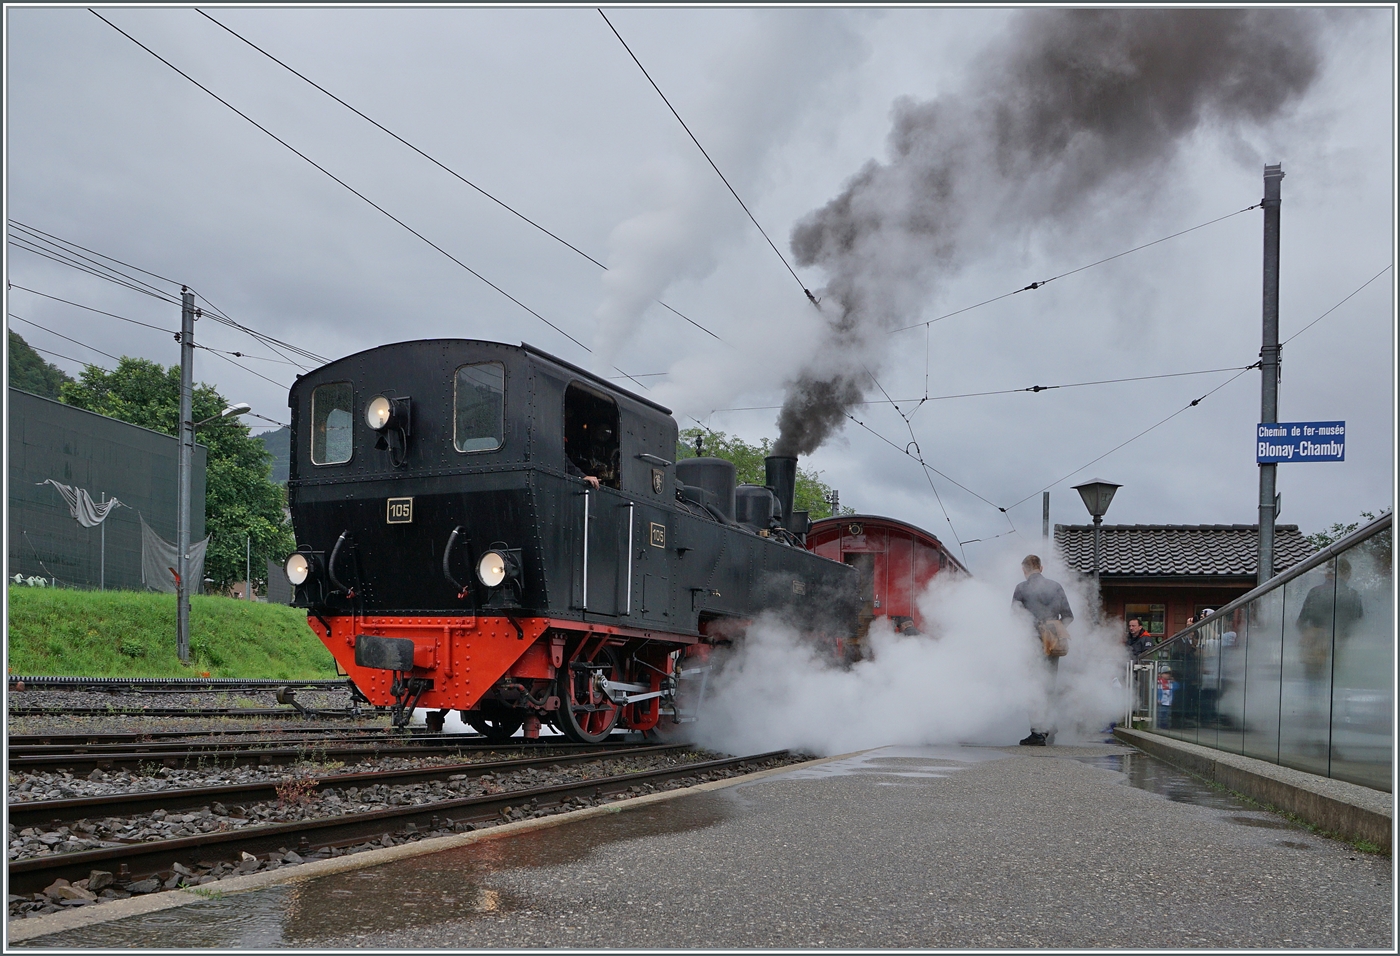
(1072, 105)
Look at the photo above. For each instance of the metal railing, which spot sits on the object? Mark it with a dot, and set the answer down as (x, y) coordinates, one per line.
(1298, 672)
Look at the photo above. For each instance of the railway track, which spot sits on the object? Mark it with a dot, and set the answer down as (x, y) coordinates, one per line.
(327, 835)
(169, 685)
(213, 754)
(133, 738)
(41, 812)
(115, 710)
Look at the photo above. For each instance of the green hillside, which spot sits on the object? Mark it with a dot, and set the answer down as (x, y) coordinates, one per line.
(132, 634)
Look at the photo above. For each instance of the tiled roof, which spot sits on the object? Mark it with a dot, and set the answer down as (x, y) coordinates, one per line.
(1154, 550)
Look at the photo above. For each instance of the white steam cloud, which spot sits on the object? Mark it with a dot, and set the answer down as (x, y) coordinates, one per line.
(977, 677)
(772, 75)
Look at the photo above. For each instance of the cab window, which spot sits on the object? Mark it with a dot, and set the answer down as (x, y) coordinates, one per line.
(590, 435)
(480, 407)
(332, 437)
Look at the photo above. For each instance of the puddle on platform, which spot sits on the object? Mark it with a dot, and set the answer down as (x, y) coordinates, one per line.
(425, 890)
(1148, 773)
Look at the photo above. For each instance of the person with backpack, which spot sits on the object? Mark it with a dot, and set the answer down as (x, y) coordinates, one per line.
(1045, 600)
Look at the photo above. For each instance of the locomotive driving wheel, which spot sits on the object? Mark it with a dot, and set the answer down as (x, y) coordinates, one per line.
(586, 713)
(496, 724)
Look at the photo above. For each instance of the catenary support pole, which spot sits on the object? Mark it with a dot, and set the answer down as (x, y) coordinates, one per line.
(1045, 516)
(248, 572)
(182, 531)
(1269, 369)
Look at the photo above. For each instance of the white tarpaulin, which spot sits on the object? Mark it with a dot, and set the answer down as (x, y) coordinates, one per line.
(158, 562)
(84, 510)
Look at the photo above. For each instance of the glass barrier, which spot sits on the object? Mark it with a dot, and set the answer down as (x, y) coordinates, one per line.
(1300, 675)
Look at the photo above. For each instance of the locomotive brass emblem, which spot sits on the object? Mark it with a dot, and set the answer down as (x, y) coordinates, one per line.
(400, 511)
(658, 535)
(658, 480)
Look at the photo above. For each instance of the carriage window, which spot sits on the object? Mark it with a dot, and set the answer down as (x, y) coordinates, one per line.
(480, 407)
(331, 421)
(590, 434)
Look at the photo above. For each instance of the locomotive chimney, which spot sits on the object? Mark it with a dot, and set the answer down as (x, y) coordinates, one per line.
(780, 471)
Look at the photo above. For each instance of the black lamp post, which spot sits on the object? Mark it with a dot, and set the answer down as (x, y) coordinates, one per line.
(1097, 495)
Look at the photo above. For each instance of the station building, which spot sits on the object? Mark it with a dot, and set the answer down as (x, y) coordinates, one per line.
(1166, 574)
(107, 459)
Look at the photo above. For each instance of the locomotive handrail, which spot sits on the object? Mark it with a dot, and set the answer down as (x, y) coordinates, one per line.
(462, 589)
(587, 504)
(330, 564)
(631, 514)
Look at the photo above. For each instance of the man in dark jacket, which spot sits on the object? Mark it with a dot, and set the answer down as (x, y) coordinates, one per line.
(1138, 639)
(1046, 602)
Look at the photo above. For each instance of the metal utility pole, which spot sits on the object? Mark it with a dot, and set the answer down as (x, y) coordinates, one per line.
(1045, 515)
(248, 571)
(102, 561)
(182, 528)
(1269, 369)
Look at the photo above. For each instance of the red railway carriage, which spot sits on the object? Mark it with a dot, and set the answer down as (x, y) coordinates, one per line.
(896, 561)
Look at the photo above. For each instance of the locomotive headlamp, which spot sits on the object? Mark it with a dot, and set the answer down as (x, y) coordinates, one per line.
(378, 412)
(491, 569)
(298, 569)
(498, 566)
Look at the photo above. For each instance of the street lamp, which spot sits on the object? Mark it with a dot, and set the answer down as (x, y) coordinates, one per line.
(1097, 494)
(182, 534)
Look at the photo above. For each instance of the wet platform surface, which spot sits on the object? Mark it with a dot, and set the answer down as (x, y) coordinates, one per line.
(1093, 846)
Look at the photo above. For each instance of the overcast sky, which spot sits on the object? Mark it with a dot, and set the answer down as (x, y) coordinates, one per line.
(111, 149)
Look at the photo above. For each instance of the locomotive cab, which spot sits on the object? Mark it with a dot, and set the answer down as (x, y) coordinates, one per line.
(488, 528)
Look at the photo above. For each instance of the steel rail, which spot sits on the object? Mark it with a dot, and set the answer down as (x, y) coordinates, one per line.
(215, 757)
(156, 857)
(66, 739)
(41, 812)
(172, 684)
(195, 742)
(127, 710)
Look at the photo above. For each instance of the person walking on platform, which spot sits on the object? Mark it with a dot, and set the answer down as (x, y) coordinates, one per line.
(1049, 608)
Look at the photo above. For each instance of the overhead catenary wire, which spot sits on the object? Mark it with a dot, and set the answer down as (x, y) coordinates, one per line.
(68, 357)
(1335, 307)
(435, 161)
(87, 269)
(69, 242)
(1012, 391)
(79, 305)
(352, 190)
(41, 239)
(732, 191)
(62, 336)
(1198, 401)
(215, 313)
(1040, 284)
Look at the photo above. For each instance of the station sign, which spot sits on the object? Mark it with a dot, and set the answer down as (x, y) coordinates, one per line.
(1300, 441)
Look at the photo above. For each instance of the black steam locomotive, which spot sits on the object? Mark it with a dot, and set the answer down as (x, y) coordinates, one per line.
(487, 528)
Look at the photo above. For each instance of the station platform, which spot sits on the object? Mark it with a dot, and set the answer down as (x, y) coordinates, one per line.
(1094, 846)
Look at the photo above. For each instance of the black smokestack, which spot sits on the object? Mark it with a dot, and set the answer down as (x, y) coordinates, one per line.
(780, 472)
(1072, 107)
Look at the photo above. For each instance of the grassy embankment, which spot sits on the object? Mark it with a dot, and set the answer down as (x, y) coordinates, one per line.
(132, 634)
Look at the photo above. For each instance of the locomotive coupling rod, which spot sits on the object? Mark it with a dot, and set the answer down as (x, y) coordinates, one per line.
(618, 692)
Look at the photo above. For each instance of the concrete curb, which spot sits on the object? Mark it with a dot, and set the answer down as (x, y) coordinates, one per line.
(1335, 806)
(24, 929)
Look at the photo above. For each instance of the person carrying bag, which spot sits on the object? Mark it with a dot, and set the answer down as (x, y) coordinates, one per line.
(1049, 608)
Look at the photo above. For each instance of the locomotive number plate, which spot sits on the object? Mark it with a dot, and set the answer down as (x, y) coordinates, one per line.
(400, 511)
(658, 535)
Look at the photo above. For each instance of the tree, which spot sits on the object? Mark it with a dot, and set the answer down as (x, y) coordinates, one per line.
(30, 373)
(811, 494)
(1338, 531)
(240, 499)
